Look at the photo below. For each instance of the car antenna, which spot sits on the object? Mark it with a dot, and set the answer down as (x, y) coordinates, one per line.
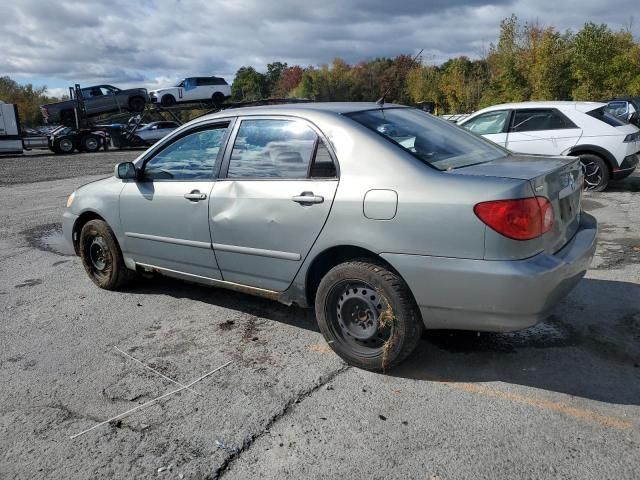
(380, 101)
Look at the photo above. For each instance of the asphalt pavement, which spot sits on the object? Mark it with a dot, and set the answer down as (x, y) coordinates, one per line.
(560, 400)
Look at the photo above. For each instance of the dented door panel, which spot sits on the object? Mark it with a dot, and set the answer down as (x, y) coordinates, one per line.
(261, 233)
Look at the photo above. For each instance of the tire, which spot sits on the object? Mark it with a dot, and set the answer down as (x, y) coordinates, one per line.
(217, 99)
(90, 143)
(67, 118)
(63, 145)
(596, 172)
(101, 256)
(168, 100)
(136, 104)
(368, 315)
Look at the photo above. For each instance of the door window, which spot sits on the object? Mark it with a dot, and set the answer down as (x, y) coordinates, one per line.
(539, 119)
(191, 157)
(488, 123)
(268, 148)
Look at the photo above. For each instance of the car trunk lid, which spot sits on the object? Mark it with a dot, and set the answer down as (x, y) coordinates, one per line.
(559, 179)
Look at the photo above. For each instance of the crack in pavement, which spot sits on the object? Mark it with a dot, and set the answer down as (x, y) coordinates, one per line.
(250, 440)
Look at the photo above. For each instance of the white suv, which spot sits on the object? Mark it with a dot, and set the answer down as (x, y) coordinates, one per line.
(193, 89)
(607, 146)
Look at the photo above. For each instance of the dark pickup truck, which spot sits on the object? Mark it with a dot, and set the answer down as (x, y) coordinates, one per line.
(97, 100)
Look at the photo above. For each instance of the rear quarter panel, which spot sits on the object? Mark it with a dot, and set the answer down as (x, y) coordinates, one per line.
(434, 214)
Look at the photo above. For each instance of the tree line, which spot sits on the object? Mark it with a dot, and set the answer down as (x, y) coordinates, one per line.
(28, 99)
(527, 62)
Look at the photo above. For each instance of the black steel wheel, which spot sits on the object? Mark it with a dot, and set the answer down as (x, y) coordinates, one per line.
(367, 315)
(168, 100)
(596, 172)
(101, 256)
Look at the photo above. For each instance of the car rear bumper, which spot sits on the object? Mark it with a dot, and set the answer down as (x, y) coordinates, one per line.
(498, 296)
(627, 167)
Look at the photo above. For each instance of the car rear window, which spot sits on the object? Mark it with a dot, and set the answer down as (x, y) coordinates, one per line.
(602, 115)
(436, 142)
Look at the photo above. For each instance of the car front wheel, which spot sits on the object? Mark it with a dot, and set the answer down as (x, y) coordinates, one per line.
(596, 172)
(168, 100)
(367, 315)
(101, 256)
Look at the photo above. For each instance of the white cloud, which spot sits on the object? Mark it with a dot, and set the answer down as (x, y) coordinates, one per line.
(152, 43)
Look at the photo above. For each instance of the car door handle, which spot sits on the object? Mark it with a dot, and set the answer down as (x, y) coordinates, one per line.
(307, 198)
(195, 196)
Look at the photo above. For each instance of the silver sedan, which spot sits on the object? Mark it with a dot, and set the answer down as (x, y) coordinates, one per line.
(385, 219)
(154, 131)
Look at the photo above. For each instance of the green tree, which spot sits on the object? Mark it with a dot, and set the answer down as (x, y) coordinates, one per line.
(27, 98)
(546, 56)
(507, 82)
(274, 71)
(249, 85)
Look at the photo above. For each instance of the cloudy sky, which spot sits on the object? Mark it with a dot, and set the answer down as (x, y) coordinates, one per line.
(152, 43)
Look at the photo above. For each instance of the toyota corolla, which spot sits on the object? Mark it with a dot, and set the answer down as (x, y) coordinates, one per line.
(383, 218)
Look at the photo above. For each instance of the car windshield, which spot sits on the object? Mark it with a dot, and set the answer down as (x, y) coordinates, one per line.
(436, 142)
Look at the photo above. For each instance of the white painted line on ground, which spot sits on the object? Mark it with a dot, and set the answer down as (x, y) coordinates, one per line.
(155, 371)
(124, 414)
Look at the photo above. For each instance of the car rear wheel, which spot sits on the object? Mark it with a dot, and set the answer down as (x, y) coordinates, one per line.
(367, 315)
(217, 99)
(168, 100)
(596, 172)
(136, 104)
(90, 143)
(101, 256)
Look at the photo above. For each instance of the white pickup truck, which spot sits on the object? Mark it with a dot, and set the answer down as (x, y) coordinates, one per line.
(193, 89)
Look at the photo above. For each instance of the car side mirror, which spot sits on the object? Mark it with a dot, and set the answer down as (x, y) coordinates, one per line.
(126, 171)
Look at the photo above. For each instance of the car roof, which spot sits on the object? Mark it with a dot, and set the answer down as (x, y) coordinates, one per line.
(302, 109)
(580, 106)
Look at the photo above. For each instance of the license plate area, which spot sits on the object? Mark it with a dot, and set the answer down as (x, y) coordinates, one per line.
(570, 206)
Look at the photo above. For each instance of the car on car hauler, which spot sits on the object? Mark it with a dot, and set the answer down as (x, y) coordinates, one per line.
(386, 219)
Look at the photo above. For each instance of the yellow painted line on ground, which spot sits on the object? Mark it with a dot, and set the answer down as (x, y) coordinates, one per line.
(579, 413)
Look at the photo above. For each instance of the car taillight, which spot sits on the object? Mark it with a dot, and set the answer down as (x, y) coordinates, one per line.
(518, 219)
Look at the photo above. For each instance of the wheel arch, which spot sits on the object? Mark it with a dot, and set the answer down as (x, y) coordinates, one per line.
(132, 98)
(329, 258)
(608, 158)
(80, 222)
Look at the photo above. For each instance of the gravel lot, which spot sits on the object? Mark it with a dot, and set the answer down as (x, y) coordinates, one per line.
(561, 400)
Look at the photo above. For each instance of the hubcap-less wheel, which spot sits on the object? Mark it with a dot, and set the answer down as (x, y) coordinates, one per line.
(356, 318)
(101, 256)
(592, 175)
(98, 255)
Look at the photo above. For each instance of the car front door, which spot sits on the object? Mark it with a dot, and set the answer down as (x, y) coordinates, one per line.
(542, 131)
(190, 90)
(272, 201)
(165, 213)
(491, 125)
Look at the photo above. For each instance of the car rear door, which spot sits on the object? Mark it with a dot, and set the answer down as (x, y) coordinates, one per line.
(272, 201)
(543, 131)
(165, 213)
